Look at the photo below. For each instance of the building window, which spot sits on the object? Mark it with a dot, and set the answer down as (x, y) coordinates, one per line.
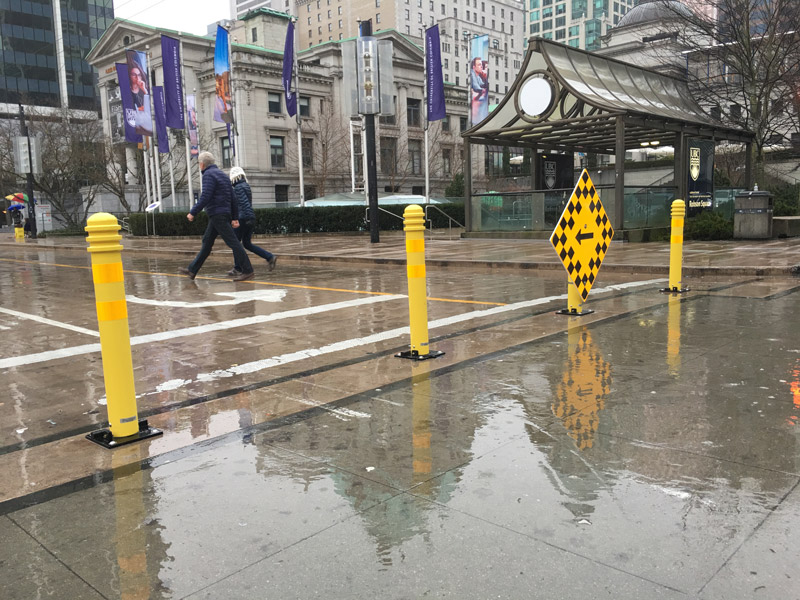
(561, 34)
(408, 15)
(281, 193)
(415, 156)
(390, 119)
(493, 160)
(340, 26)
(377, 18)
(388, 155)
(462, 123)
(446, 124)
(254, 34)
(340, 10)
(305, 106)
(276, 153)
(330, 28)
(225, 146)
(414, 112)
(377, 3)
(308, 153)
(274, 102)
(447, 161)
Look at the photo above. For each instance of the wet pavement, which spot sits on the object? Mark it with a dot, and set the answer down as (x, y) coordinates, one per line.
(648, 450)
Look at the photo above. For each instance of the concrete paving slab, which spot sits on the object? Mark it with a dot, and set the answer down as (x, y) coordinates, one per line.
(669, 424)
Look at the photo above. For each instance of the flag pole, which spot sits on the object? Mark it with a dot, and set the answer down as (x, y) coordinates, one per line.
(352, 160)
(171, 178)
(297, 114)
(146, 162)
(427, 123)
(234, 105)
(186, 130)
(199, 173)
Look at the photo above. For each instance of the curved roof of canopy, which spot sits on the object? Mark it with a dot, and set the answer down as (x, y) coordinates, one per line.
(589, 92)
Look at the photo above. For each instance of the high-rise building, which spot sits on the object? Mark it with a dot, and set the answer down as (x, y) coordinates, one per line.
(321, 21)
(43, 50)
(577, 23)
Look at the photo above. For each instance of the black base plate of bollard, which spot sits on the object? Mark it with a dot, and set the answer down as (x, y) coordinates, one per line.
(673, 290)
(104, 438)
(414, 355)
(573, 313)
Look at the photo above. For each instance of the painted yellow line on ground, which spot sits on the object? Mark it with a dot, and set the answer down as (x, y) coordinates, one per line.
(272, 283)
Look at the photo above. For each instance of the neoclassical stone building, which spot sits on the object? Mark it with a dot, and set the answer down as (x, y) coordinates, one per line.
(267, 136)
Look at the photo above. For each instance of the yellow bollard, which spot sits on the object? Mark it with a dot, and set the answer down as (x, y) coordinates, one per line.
(414, 226)
(676, 248)
(19, 233)
(115, 342)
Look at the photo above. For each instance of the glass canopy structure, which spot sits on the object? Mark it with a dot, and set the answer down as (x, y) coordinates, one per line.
(569, 100)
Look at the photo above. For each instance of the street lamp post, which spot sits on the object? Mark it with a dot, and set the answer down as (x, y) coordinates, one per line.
(23, 131)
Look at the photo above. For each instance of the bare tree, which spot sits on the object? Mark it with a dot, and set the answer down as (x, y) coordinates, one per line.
(326, 148)
(743, 63)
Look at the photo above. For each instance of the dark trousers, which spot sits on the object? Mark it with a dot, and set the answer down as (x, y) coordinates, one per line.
(220, 225)
(244, 232)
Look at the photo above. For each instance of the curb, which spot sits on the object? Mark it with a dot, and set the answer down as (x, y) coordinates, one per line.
(688, 271)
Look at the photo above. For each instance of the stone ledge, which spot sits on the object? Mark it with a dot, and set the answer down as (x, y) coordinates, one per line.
(783, 227)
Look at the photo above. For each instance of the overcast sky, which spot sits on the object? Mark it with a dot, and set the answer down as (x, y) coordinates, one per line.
(191, 16)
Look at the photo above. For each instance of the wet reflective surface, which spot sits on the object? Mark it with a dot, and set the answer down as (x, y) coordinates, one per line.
(650, 449)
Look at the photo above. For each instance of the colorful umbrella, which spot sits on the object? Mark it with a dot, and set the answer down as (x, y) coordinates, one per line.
(19, 197)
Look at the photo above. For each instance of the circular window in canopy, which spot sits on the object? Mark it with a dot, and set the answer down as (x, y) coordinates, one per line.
(536, 97)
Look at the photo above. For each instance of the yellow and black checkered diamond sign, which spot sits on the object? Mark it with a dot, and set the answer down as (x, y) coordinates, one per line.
(583, 235)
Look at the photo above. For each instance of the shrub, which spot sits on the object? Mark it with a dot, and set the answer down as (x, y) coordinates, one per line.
(786, 202)
(708, 226)
(311, 219)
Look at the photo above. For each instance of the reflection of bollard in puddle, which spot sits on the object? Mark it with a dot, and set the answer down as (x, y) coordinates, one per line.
(674, 336)
(676, 248)
(414, 226)
(422, 457)
(115, 342)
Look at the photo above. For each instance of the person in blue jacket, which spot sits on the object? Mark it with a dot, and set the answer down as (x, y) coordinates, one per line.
(247, 220)
(222, 209)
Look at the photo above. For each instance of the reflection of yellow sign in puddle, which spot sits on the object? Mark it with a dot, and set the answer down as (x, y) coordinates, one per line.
(580, 395)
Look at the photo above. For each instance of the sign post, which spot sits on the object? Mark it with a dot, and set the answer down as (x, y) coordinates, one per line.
(581, 239)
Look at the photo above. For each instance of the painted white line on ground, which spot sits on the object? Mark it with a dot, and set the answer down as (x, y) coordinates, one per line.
(236, 298)
(39, 319)
(18, 361)
(260, 365)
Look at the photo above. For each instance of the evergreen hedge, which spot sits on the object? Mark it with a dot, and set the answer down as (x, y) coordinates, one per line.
(310, 219)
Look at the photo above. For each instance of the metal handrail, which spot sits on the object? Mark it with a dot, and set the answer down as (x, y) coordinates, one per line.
(388, 212)
(450, 221)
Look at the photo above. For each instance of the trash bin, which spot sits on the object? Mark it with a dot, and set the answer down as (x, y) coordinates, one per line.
(752, 216)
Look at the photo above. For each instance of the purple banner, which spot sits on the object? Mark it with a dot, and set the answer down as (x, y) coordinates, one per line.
(194, 137)
(433, 68)
(129, 118)
(288, 63)
(223, 107)
(161, 120)
(173, 87)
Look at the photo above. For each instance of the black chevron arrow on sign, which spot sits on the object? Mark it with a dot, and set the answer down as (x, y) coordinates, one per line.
(584, 236)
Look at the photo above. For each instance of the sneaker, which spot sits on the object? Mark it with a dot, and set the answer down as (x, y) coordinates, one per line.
(187, 272)
(272, 262)
(233, 272)
(245, 276)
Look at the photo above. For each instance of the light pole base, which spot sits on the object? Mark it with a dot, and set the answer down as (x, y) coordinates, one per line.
(104, 438)
(673, 290)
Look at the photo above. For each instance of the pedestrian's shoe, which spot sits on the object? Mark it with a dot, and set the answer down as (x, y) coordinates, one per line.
(272, 262)
(245, 276)
(234, 272)
(187, 272)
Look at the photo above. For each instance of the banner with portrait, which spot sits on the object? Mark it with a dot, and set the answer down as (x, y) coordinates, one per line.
(128, 111)
(140, 92)
(479, 79)
(223, 107)
(191, 122)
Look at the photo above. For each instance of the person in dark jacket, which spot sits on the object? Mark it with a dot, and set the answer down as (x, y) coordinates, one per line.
(247, 219)
(223, 216)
